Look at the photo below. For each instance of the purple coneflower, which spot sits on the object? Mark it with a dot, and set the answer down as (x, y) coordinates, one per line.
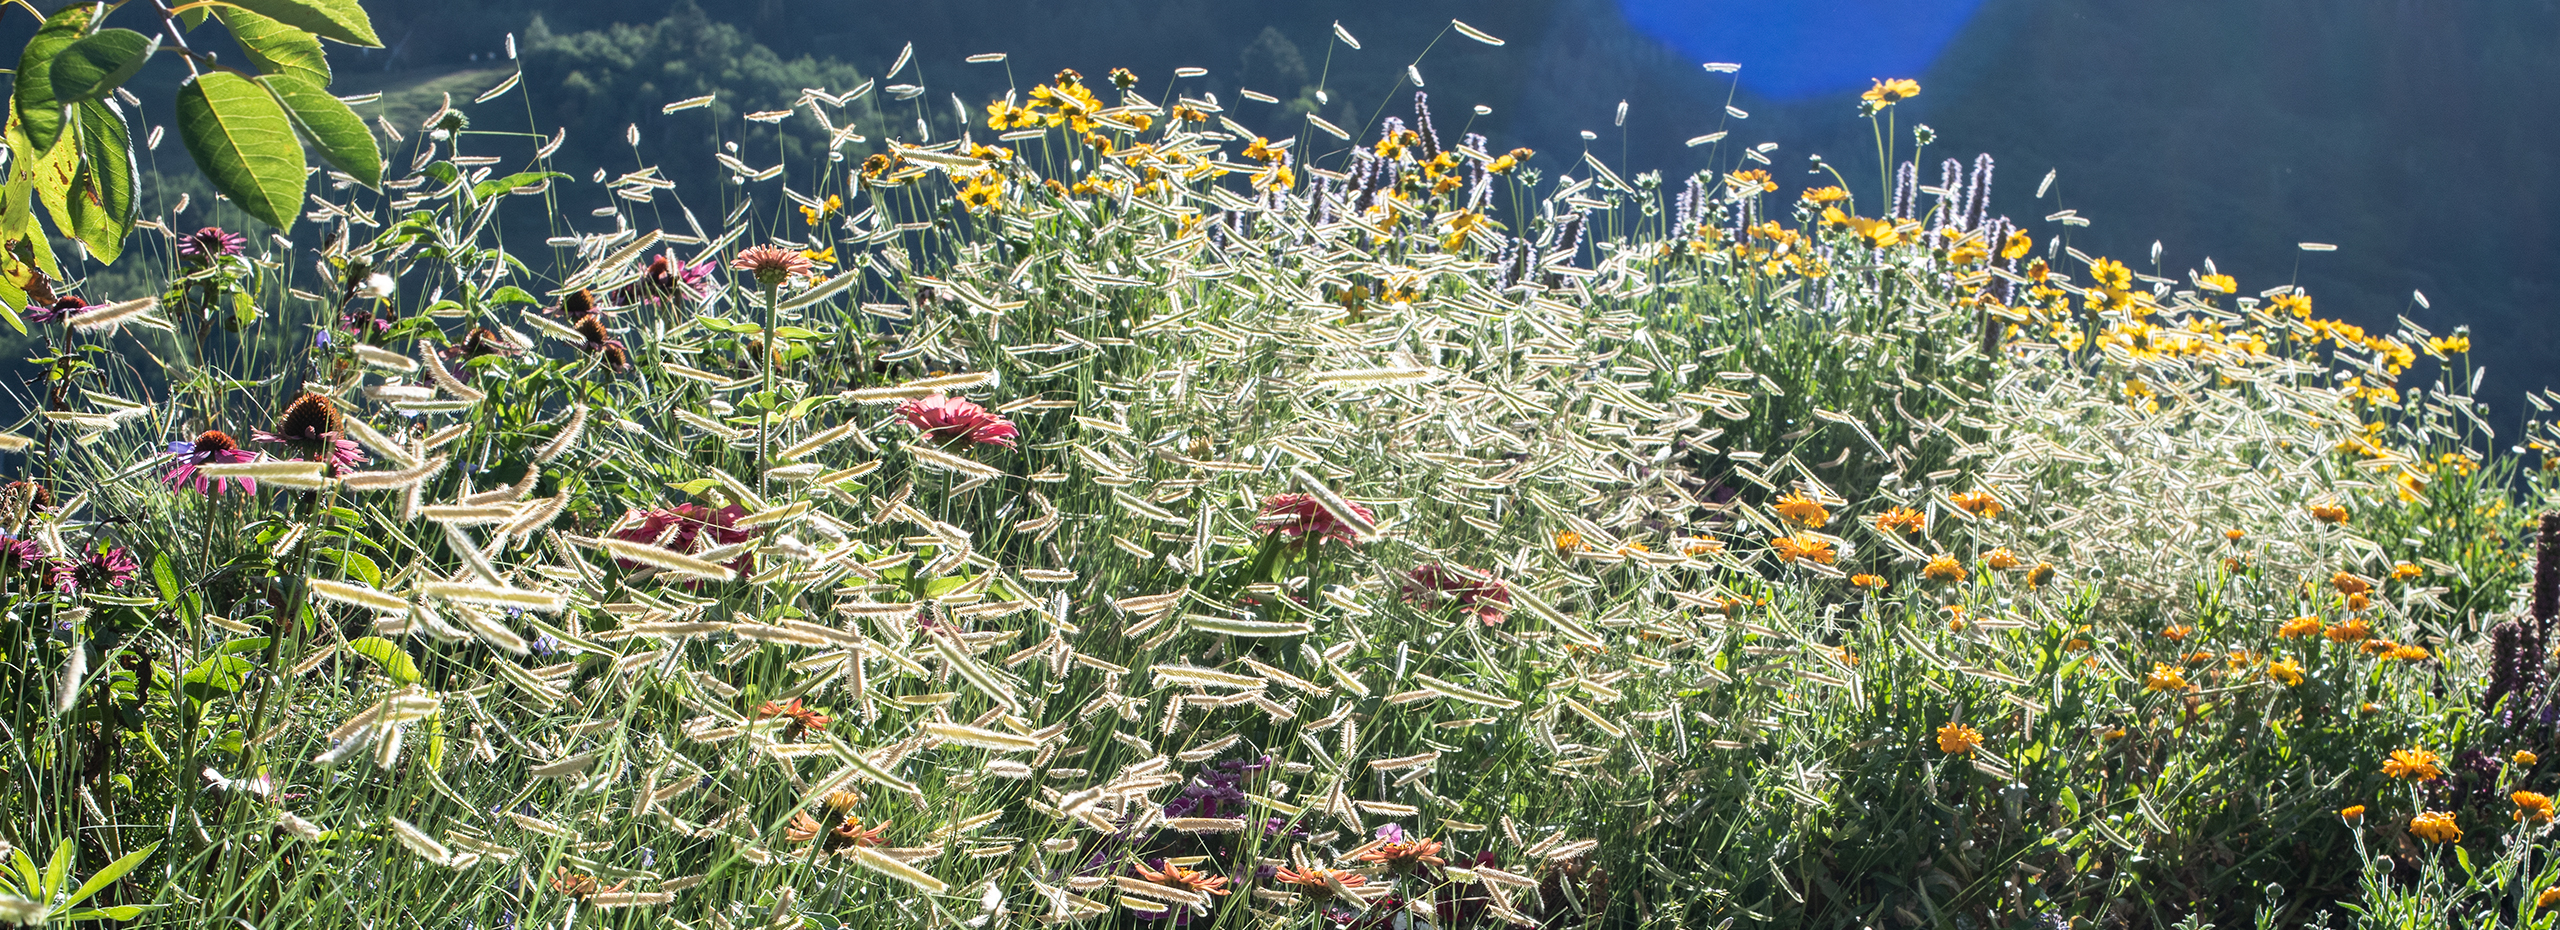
(204, 245)
(668, 278)
(22, 555)
(210, 447)
(310, 427)
(944, 418)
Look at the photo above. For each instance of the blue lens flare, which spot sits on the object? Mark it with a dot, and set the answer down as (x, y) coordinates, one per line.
(1793, 49)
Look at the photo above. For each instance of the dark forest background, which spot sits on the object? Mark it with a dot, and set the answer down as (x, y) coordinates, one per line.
(2417, 135)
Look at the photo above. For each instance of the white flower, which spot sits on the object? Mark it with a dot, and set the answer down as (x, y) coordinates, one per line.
(377, 286)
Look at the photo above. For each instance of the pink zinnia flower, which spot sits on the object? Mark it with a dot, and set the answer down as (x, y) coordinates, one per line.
(772, 264)
(1435, 585)
(951, 419)
(211, 446)
(1294, 515)
(688, 529)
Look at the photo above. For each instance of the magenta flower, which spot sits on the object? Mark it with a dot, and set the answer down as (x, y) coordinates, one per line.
(1294, 515)
(950, 419)
(1436, 585)
(210, 447)
(212, 241)
(685, 528)
(103, 569)
(23, 555)
(62, 309)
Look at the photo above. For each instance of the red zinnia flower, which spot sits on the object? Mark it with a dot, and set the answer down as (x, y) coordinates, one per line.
(1294, 515)
(684, 530)
(951, 419)
(1435, 584)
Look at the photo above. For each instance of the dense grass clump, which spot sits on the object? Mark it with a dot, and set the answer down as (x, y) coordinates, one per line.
(1108, 518)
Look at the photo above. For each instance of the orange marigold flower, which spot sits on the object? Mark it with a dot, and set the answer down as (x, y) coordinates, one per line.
(2164, 678)
(2435, 827)
(2300, 627)
(582, 886)
(1407, 854)
(2413, 764)
(2285, 672)
(2349, 583)
(1178, 877)
(2532, 804)
(2524, 757)
(2329, 513)
(2234, 535)
(1977, 503)
(1904, 519)
(2352, 812)
(1802, 511)
(1320, 882)
(2549, 897)
(2408, 653)
(2178, 632)
(2405, 571)
(1569, 542)
(2351, 631)
(2039, 576)
(1943, 569)
(1958, 739)
(1876, 582)
(2001, 560)
(802, 718)
(1791, 548)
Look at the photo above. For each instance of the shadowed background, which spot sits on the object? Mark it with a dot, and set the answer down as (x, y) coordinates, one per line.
(2411, 133)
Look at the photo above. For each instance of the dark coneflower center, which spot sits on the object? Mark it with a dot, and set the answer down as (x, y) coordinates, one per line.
(578, 304)
(592, 327)
(309, 418)
(661, 274)
(214, 440)
(36, 495)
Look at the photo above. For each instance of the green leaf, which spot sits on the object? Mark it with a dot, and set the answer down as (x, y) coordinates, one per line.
(485, 189)
(118, 912)
(108, 875)
(275, 47)
(395, 661)
(165, 576)
(217, 675)
(93, 67)
(512, 294)
(39, 111)
(336, 20)
(56, 871)
(54, 174)
(357, 565)
(331, 125)
(102, 198)
(244, 142)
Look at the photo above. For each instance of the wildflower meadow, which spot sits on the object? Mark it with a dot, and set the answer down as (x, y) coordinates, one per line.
(1080, 509)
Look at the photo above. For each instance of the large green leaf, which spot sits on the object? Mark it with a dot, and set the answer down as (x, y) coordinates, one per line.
(395, 661)
(94, 67)
(102, 201)
(243, 141)
(52, 176)
(275, 47)
(340, 135)
(39, 111)
(340, 20)
(107, 876)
